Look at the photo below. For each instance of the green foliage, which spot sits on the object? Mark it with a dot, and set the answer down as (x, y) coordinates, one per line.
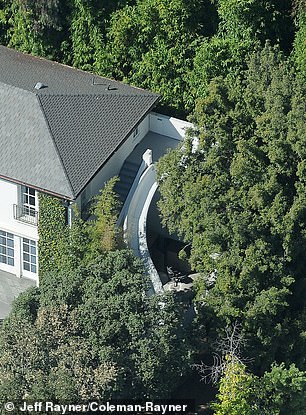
(52, 231)
(299, 50)
(219, 56)
(144, 336)
(236, 391)
(152, 45)
(93, 335)
(63, 247)
(279, 391)
(26, 305)
(263, 19)
(243, 26)
(240, 200)
(36, 27)
(86, 36)
(285, 390)
(103, 232)
(48, 359)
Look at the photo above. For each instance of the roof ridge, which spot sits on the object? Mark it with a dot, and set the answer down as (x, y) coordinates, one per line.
(55, 146)
(96, 95)
(63, 65)
(17, 87)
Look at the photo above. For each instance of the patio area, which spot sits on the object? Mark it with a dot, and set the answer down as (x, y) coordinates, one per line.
(159, 144)
(10, 288)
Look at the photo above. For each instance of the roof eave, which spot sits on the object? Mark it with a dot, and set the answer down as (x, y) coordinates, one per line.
(37, 188)
(158, 97)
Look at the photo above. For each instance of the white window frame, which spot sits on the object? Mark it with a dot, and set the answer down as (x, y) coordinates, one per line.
(28, 198)
(7, 250)
(29, 255)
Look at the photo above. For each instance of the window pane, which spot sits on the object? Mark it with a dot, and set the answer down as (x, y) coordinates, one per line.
(6, 248)
(10, 243)
(31, 191)
(10, 261)
(26, 257)
(26, 248)
(32, 200)
(29, 255)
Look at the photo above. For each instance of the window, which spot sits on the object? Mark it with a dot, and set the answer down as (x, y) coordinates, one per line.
(28, 201)
(7, 248)
(29, 255)
(26, 210)
(136, 132)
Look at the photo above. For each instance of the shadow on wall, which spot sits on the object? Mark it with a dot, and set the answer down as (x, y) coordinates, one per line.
(164, 248)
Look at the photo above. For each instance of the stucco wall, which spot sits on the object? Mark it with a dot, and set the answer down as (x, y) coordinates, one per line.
(169, 126)
(113, 166)
(9, 197)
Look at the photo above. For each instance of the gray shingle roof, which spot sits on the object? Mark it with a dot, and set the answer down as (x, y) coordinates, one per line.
(56, 138)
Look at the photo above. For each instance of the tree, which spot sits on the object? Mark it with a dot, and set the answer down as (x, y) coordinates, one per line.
(48, 359)
(90, 333)
(144, 336)
(299, 49)
(221, 55)
(104, 235)
(152, 46)
(284, 390)
(237, 391)
(243, 26)
(264, 19)
(239, 198)
(86, 36)
(278, 391)
(37, 27)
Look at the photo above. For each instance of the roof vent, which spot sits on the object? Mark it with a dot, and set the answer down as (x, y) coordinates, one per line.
(40, 85)
(111, 88)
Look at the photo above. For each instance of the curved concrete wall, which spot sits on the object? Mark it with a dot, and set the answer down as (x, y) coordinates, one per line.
(135, 224)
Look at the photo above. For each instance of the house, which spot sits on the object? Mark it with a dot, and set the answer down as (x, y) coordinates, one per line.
(64, 132)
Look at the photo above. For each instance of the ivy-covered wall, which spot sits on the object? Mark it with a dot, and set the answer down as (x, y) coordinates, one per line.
(52, 232)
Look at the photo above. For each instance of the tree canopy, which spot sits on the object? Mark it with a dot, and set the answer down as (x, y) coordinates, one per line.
(239, 198)
(89, 331)
(235, 194)
(174, 48)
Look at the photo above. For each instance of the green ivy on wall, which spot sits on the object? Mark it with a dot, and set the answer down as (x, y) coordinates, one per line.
(52, 232)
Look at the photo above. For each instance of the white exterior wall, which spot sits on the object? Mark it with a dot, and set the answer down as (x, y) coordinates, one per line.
(157, 123)
(169, 126)
(8, 197)
(113, 166)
